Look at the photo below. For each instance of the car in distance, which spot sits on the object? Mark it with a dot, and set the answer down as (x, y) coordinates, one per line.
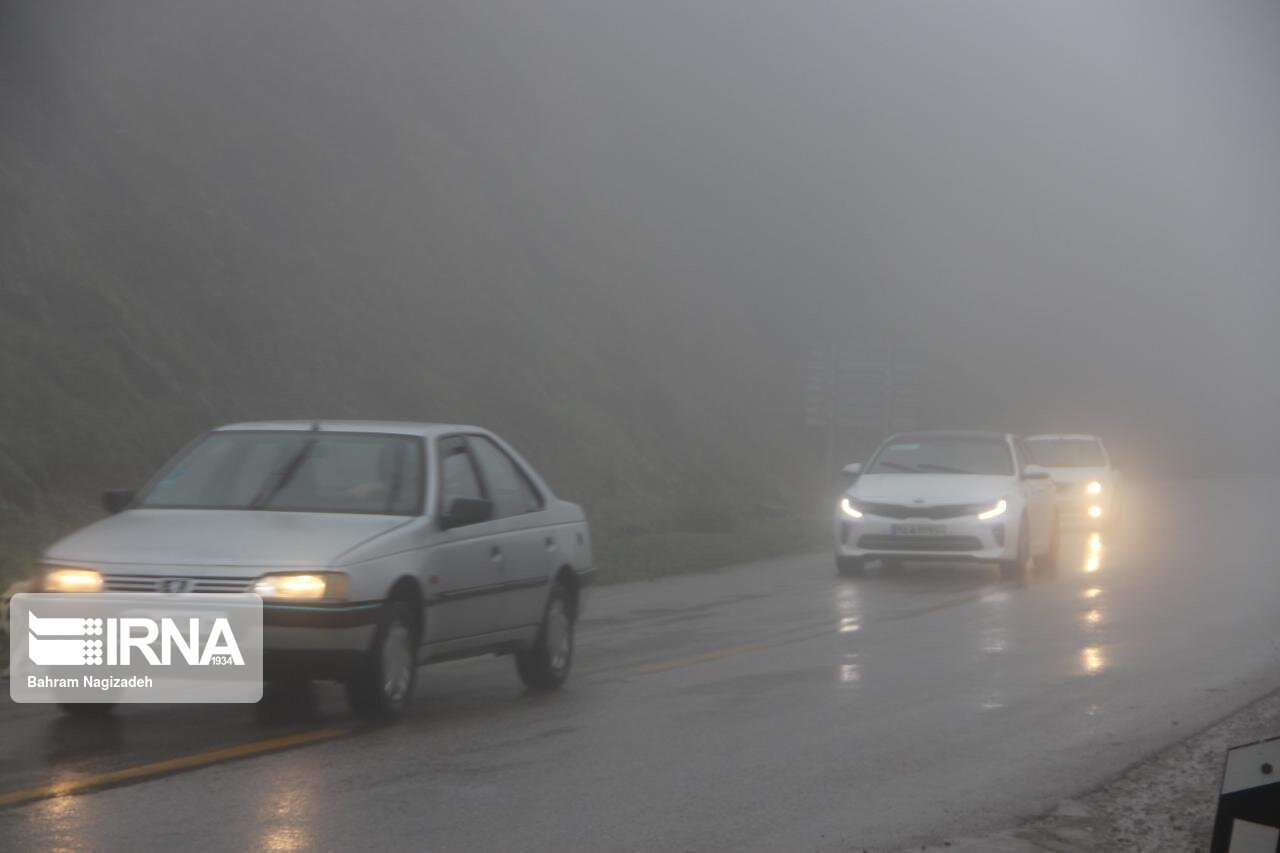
(376, 547)
(1084, 476)
(952, 496)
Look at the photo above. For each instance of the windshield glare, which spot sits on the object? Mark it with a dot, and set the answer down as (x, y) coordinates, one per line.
(295, 471)
(1067, 452)
(944, 456)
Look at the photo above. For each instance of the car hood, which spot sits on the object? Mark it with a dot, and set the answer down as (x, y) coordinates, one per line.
(931, 488)
(185, 537)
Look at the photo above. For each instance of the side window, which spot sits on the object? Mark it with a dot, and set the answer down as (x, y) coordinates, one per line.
(458, 478)
(1022, 457)
(509, 488)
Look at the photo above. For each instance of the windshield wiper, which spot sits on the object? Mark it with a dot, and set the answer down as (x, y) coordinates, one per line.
(282, 477)
(946, 469)
(898, 466)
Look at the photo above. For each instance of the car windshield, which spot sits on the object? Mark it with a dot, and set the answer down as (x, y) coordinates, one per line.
(294, 471)
(1067, 452)
(943, 455)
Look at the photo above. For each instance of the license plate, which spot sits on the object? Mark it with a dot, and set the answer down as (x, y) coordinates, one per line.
(919, 530)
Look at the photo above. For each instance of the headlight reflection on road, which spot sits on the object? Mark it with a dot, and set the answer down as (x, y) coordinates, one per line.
(848, 610)
(1093, 553)
(1093, 660)
(849, 673)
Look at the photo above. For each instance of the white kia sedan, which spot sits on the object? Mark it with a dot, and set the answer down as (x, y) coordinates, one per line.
(1084, 476)
(951, 497)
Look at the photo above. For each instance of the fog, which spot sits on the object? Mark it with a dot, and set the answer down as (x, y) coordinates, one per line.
(615, 230)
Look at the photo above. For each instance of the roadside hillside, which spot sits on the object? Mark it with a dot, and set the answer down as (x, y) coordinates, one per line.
(197, 227)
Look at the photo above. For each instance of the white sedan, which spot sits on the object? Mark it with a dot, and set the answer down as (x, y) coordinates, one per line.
(948, 496)
(1083, 473)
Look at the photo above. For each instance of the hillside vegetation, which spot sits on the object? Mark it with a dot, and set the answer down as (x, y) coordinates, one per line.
(198, 225)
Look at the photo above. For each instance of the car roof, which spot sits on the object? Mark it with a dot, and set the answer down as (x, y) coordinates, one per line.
(952, 433)
(426, 430)
(1067, 436)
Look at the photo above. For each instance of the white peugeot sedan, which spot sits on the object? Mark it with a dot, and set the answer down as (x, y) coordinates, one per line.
(376, 547)
(948, 496)
(1083, 473)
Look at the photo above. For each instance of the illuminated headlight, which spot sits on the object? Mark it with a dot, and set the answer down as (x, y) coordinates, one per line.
(1000, 508)
(847, 507)
(302, 586)
(1095, 512)
(1094, 488)
(71, 580)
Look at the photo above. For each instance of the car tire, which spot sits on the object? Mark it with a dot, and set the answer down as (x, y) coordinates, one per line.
(87, 710)
(1016, 569)
(545, 665)
(382, 688)
(286, 700)
(850, 567)
(1048, 563)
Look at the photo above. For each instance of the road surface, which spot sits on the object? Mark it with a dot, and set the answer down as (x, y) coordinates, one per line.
(770, 706)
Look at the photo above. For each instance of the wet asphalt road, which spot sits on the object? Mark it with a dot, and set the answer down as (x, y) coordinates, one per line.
(769, 706)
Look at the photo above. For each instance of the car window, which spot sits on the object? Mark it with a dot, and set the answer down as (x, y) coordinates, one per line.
(458, 476)
(509, 488)
(923, 454)
(294, 471)
(1068, 452)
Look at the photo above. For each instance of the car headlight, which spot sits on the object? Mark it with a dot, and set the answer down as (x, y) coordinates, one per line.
(302, 586)
(1094, 488)
(71, 580)
(847, 507)
(1000, 508)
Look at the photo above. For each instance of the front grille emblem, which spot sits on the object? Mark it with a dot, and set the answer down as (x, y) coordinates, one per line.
(174, 585)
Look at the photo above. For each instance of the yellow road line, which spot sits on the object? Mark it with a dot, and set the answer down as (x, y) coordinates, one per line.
(664, 665)
(159, 768)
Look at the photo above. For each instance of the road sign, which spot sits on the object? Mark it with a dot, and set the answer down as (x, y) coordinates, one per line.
(1249, 805)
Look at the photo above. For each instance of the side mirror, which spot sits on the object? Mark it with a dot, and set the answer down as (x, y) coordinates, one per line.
(1035, 472)
(464, 511)
(116, 500)
(853, 469)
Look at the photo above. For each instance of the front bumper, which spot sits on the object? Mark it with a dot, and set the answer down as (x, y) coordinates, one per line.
(1073, 508)
(962, 539)
(317, 641)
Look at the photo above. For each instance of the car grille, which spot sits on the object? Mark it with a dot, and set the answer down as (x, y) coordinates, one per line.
(152, 583)
(885, 542)
(934, 512)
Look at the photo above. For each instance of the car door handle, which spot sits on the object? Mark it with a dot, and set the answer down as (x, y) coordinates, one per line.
(550, 543)
(496, 555)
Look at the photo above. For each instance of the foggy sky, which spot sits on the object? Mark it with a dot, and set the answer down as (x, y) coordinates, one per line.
(1069, 212)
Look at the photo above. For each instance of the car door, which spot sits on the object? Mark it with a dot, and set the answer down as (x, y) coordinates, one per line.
(1040, 502)
(465, 580)
(528, 547)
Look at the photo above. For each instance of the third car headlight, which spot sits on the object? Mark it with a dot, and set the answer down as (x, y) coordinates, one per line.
(847, 507)
(302, 586)
(998, 509)
(1094, 488)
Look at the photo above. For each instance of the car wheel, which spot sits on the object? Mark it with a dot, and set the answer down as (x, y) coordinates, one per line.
(286, 700)
(87, 709)
(849, 567)
(1048, 563)
(545, 664)
(1016, 569)
(382, 688)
